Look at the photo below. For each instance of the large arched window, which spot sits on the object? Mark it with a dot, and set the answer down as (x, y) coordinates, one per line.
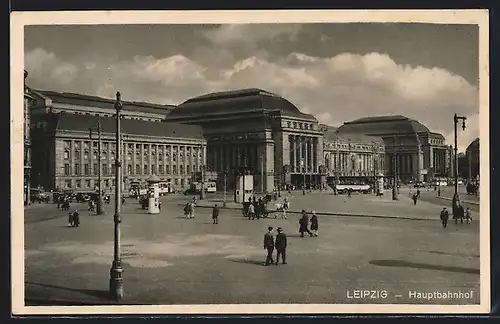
(327, 161)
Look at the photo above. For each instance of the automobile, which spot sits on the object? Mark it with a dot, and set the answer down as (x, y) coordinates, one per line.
(39, 195)
(419, 184)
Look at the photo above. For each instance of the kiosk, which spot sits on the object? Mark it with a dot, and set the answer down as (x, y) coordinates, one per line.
(244, 188)
(379, 185)
(153, 194)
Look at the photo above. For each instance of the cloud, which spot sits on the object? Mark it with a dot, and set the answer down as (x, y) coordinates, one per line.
(335, 89)
(238, 34)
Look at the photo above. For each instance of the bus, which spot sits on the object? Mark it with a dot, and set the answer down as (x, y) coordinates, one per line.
(165, 187)
(137, 189)
(195, 187)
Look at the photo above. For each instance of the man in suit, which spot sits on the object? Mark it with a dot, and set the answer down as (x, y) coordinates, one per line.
(281, 244)
(269, 245)
(215, 214)
(444, 217)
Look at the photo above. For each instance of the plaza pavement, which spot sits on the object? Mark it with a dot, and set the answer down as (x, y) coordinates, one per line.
(358, 205)
(171, 260)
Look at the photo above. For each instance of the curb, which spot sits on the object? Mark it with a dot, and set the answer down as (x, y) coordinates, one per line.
(463, 201)
(338, 214)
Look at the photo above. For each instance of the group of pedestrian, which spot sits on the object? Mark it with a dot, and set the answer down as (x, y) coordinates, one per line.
(304, 224)
(459, 213)
(255, 208)
(74, 219)
(63, 203)
(280, 244)
(415, 197)
(189, 209)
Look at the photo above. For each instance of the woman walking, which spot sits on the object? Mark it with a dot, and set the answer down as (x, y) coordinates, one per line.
(314, 224)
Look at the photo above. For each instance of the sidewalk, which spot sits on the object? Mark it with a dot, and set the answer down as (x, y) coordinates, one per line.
(326, 203)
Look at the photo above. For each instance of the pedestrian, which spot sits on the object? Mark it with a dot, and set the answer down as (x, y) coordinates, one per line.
(281, 243)
(418, 193)
(215, 214)
(459, 213)
(468, 216)
(76, 219)
(251, 211)
(187, 209)
(269, 245)
(303, 223)
(192, 210)
(314, 223)
(349, 192)
(415, 198)
(70, 219)
(444, 217)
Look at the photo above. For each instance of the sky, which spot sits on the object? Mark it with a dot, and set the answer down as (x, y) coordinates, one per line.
(337, 72)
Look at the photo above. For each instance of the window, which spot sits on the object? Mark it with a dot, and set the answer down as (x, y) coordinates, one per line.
(86, 169)
(95, 155)
(129, 156)
(167, 169)
(105, 169)
(160, 157)
(87, 183)
(78, 183)
(104, 155)
(188, 169)
(160, 169)
(137, 169)
(294, 124)
(289, 124)
(174, 169)
(96, 169)
(174, 157)
(146, 170)
(130, 146)
(105, 146)
(181, 169)
(95, 144)
(67, 144)
(86, 145)
(113, 146)
(153, 169)
(66, 169)
(106, 183)
(66, 154)
(129, 169)
(113, 169)
(137, 147)
(68, 183)
(77, 169)
(112, 156)
(86, 155)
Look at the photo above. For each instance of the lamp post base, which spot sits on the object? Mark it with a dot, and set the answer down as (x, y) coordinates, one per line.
(116, 281)
(394, 195)
(454, 202)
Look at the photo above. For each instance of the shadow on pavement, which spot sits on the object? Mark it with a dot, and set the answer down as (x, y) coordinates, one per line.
(405, 264)
(260, 263)
(102, 294)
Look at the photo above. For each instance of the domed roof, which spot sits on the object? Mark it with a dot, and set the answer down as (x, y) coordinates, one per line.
(381, 125)
(237, 101)
(474, 145)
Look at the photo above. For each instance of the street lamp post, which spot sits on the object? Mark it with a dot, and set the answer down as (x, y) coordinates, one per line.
(375, 154)
(303, 176)
(337, 164)
(456, 118)
(100, 204)
(394, 166)
(225, 189)
(202, 192)
(116, 272)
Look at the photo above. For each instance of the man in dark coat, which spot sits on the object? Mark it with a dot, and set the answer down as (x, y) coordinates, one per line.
(281, 244)
(304, 223)
(269, 245)
(444, 217)
(459, 213)
(215, 214)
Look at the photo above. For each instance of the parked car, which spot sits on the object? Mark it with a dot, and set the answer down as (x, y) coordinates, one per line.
(419, 184)
(38, 195)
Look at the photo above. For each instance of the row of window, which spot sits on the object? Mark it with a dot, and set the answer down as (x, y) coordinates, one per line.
(146, 155)
(110, 115)
(153, 148)
(108, 169)
(300, 125)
